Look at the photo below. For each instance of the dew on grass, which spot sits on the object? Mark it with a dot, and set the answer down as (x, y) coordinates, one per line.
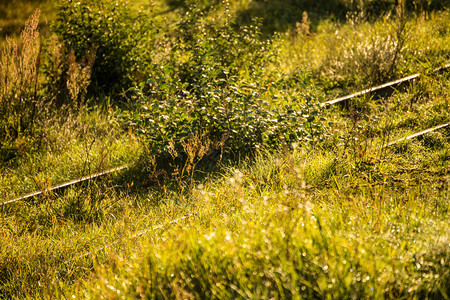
(112, 288)
(210, 236)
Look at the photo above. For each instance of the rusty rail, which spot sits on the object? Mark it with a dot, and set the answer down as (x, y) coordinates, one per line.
(65, 185)
(384, 88)
(417, 134)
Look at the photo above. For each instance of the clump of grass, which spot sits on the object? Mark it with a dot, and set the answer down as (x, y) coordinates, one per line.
(367, 58)
(19, 62)
(78, 76)
(359, 53)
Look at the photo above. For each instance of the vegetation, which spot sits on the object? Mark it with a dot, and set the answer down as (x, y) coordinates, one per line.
(240, 184)
(111, 31)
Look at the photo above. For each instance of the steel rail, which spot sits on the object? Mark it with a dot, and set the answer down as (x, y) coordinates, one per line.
(417, 134)
(65, 185)
(383, 88)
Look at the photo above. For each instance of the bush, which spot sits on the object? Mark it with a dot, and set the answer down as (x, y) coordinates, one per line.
(202, 45)
(218, 93)
(113, 31)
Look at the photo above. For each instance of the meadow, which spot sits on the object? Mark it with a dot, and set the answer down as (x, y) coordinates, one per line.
(240, 183)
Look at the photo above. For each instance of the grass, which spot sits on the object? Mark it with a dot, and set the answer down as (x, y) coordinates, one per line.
(266, 228)
(358, 54)
(343, 218)
(275, 228)
(75, 149)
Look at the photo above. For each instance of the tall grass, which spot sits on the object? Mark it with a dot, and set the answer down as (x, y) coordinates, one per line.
(19, 63)
(358, 53)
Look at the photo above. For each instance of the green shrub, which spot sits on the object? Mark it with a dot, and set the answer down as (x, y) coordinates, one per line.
(215, 89)
(187, 4)
(113, 31)
(235, 112)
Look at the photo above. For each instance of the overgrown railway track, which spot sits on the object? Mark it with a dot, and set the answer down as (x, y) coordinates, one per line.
(386, 89)
(94, 251)
(64, 185)
(379, 91)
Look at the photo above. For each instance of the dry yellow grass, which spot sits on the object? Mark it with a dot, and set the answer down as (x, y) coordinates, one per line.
(19, 65)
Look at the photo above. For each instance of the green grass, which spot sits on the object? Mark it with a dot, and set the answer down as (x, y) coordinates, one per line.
(85, 144)
(357, 54)
(278, 227)
(274, 226)
(342, 218)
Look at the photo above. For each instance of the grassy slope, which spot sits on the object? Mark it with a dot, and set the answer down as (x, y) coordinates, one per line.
(348, 220)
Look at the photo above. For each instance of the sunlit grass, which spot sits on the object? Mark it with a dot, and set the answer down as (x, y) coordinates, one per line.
(288, 239)
(347, 57)
(73, 150)
(344, 218)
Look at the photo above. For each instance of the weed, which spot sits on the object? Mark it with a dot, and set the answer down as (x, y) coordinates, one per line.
(19, 63)
(79, 77)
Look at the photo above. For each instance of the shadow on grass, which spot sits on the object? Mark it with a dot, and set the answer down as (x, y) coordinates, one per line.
(281, 15)
(164, 173)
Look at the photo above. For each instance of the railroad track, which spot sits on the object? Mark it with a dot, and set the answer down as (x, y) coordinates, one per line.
(417, 134)
(387, 89)
(377, 91)
(383, 89)
(62, 186)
